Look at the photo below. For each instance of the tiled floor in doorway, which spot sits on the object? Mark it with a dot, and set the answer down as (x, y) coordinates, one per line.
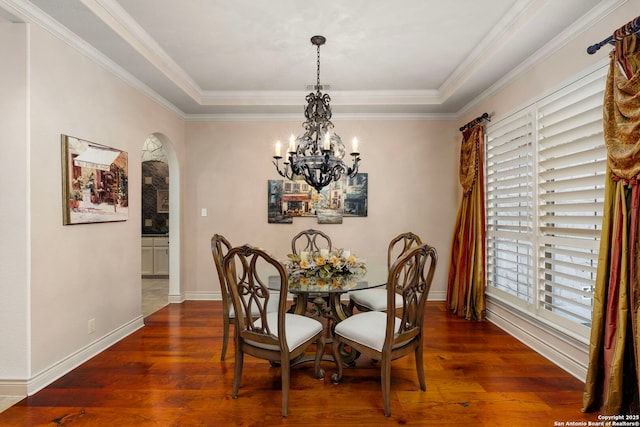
(155, 295)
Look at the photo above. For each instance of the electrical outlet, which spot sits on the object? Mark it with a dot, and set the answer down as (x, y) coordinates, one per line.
(91, 326)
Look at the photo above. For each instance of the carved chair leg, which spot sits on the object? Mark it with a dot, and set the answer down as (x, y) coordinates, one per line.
(225, 338)
(237, 376)
(320, 342)
(337, 356)
(420, 367)
(385, 373)
(285, 370)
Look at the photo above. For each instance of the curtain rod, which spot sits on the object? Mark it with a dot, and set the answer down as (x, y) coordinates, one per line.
(627, 29)
(475, 121)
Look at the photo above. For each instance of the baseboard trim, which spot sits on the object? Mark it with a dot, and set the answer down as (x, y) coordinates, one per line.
(203, 296)
(11, 388)
(563, 350)
(19, 387)
(176, 299)
(437, 296)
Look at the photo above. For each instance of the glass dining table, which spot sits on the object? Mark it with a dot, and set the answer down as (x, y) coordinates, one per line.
(322, 297)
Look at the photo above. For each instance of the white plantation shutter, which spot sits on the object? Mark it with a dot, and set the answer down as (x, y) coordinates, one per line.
(545, 190)
(509, 202)
(572, 165)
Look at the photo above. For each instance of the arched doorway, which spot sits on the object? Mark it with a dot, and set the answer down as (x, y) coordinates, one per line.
(160, 219)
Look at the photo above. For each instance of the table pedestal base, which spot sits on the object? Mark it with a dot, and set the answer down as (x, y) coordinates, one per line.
(330, 307)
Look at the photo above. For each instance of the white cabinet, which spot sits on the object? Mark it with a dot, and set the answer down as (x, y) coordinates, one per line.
(161, 256)
(155, 256)
(147, 256)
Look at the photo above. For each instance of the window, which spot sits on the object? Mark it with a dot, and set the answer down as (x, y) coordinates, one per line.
(545, 191)
(510, 206)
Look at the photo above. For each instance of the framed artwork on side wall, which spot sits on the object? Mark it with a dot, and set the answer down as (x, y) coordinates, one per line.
(94, 182)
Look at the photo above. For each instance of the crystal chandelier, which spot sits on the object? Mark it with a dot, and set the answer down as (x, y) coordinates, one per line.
(316, 156)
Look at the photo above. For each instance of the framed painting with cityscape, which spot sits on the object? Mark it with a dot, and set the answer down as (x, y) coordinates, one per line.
(94, 182)
(340, 199)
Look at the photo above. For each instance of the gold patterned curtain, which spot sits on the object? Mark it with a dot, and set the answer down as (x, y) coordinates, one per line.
(612, 385)
(466, 284)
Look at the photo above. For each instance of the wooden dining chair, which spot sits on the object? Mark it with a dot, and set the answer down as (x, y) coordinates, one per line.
(220, 246)
(310, 240)
(376, 299)
(280, 336)
(390, 335)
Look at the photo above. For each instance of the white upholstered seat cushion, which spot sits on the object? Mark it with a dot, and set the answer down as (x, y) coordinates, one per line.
(368, 328)
(374, 299)
(299, 330)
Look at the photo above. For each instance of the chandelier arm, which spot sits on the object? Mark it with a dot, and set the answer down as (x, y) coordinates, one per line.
(285, 173)
(354, 169)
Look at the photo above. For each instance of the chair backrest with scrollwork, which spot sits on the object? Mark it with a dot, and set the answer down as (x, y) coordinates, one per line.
(400, 244)
(310, 240)
(220, 246)
(411, 276)
(247, 268)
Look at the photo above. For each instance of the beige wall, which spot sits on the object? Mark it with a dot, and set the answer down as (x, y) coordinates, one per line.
(89, 271)
(413, 186)
(14, 302)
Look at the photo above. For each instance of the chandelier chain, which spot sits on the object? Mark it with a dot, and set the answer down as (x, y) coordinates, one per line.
(318, 62)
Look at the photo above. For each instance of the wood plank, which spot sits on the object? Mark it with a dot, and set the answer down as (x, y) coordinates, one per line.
(169, 374)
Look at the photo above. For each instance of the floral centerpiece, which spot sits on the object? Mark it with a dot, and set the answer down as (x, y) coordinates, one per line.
(337, 268)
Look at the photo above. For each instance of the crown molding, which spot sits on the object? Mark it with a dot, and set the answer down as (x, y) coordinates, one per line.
(299, 117)
(345, 97)
(594, 15)
(32, 14)
(484, 51)
(116, 18)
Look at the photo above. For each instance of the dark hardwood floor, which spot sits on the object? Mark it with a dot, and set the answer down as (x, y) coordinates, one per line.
(169, 374)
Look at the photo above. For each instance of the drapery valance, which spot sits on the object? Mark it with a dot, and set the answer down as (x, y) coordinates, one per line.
(622, 109)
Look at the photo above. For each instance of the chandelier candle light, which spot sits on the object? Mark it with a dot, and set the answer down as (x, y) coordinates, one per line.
(317, 155)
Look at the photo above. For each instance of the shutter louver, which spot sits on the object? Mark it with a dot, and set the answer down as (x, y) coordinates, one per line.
(572, 165)
(509, 201)
(545, 172)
